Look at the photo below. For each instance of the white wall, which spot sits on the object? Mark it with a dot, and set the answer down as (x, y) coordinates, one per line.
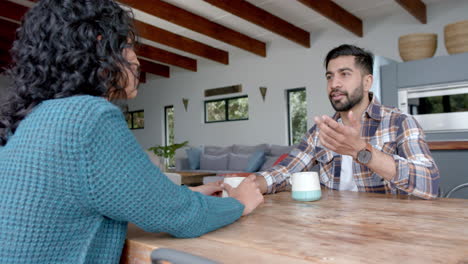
(287, 65)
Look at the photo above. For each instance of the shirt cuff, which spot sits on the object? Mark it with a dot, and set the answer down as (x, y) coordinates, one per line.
(268, 179)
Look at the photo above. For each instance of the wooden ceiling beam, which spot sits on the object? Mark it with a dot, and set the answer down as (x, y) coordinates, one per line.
(154, 68)
(336, 14)
(417, 8)
(262, 18)
(12, 10)
(182, 43)
(198, 24)
(167, 57)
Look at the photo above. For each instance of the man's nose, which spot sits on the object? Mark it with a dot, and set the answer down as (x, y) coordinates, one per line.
(335, 83)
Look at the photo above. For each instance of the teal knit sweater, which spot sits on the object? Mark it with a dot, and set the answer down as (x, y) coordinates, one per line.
(73, 175)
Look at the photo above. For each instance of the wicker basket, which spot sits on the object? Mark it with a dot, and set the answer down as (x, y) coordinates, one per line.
(417, 46)
(456, 37)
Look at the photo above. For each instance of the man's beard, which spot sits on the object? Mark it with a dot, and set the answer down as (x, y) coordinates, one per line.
(349, 101)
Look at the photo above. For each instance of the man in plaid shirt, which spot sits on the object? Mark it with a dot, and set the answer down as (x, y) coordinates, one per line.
(365, 146)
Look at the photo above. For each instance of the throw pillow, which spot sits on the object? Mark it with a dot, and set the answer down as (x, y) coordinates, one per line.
(193, 155)
(256, 160)
(281, 158)
(209, 162)
(277, 150)
(238, 162)
(269, 162)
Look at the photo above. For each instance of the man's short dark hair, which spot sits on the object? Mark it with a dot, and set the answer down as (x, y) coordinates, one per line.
(362, 58)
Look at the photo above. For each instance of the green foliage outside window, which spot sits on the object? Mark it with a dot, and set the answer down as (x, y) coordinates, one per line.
(216, 111)
(169, 131)
(439, 104)
(135, 119)
(169, 125)
(228, 109)
(297, 105)
(238, 108)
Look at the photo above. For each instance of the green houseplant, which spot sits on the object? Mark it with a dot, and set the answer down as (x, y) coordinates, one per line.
(167, 153)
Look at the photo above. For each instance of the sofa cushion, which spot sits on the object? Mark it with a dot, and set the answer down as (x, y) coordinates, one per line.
(269, 161)
(238, 162)
(213, 162)
(277, 150)
(216, 150)
(256, 161)
(244, 149)
(193, 155)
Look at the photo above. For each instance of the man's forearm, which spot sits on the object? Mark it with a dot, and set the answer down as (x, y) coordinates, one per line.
(382, 164)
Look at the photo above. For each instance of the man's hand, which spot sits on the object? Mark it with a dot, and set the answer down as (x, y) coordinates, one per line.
(211, 189)
(340, 138)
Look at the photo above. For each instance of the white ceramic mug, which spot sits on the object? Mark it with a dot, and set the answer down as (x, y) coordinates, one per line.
(233, 181)
(305, 186)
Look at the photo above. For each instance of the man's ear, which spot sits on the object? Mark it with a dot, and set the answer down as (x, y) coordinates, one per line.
(368, 80)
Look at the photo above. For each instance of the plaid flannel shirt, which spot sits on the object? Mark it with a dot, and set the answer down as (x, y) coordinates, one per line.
(388, 130)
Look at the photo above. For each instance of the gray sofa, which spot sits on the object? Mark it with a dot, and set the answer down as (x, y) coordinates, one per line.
(233, 158)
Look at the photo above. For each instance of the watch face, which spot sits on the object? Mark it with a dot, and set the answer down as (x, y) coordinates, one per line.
(364, 156)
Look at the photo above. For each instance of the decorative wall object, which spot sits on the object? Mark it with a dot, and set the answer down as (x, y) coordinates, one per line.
(456, 37)
(185, 102)
(223, 90)
(263, 91)
(417, 46)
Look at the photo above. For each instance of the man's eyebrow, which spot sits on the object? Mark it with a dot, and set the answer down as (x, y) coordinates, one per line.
(345, 69)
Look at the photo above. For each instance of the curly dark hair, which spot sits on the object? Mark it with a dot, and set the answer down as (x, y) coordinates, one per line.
(65, 48)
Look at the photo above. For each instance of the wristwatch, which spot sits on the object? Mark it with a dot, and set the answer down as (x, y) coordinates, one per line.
(364, 156)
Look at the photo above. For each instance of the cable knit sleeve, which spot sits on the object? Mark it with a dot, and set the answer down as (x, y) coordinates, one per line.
(122, 183)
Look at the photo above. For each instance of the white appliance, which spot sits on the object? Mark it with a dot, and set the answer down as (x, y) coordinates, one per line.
(439, 107)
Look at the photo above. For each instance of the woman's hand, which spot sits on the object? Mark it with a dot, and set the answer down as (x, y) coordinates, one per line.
(248, 193)
(211, 189)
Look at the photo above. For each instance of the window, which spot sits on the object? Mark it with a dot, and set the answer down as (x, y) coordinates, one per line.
(297, 114)
(135, 119)
(169, 130)
(169, 125)
(228, 109)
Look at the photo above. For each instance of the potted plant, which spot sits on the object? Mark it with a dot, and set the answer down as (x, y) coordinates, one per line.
(167, 153)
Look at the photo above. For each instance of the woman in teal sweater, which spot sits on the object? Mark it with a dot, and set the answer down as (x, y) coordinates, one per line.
(71, 173)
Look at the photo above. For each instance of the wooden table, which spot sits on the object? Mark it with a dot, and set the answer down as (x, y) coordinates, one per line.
(343, 227)
(193, 178)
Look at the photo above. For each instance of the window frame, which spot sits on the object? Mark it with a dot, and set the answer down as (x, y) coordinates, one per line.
(226, 108)
(132, 113)
(288, 110)
(166, 128)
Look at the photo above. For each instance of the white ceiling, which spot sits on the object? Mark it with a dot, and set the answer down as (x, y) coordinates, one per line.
(289, 10)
